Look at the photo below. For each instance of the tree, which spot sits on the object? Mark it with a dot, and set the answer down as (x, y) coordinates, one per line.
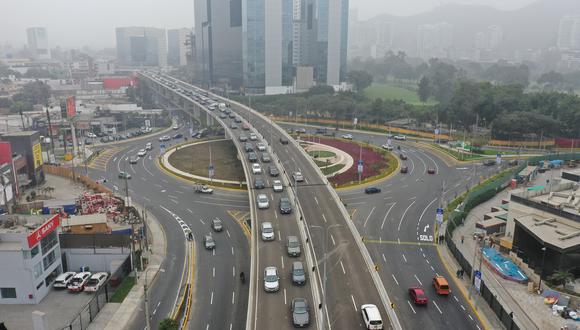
(5, 102)
(20, 107)
(360, 79)
(424, 90)
(561, 277)
(35, 92)
(320, 90)
(551, 77)
(168, 324)
(38, 74)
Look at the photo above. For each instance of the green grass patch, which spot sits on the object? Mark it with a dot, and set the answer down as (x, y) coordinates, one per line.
(322, 154)
(458, 155)
(392, 92)
(392, 161)
(123, 289)
(332, 169)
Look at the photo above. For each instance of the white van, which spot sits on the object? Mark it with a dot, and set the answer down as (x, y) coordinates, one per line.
(371, 317)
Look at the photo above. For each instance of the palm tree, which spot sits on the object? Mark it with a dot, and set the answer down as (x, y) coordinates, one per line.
(561, 277)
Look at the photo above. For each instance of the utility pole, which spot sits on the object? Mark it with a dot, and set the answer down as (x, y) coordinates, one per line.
(50, 135)
(4, 184)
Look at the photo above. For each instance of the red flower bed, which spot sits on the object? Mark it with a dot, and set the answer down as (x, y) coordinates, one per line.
(373, 161)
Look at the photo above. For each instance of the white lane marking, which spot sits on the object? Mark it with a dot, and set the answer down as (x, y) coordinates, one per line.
(332, 239)
(398, 240)
(179, 192)
(411, 307)
(342, 266)
(387, 214)
(427, 261)
(384, 258)
(282, 260)
(462, 307)
(405, 186)
(353, 302)
(394, 278)
(454, 297)
(174, 201)
(158, 185)
(232, 250)
(165, 181)
(433, 160)
(207, 326)
(203, 222)
(414, 197)
(171, 196)
(323, 217)
(418, 280)
(285, 301)
(434, 303)
(279, 236)
(403, 216)
(433, 269)
(424, 165)
(470, 316)
(368, 217)
(213, 252)
(276, 215)
(424, 210)
(233, 297)
(228, 232)
(412, 166)
(316, 200)
(116, 188)
(147, 199)
(405, 258)
(115, 159)
(234, 271)
(213, 272)
(211, 299)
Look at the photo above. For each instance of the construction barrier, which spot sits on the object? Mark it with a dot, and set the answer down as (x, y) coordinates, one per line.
(66, 172)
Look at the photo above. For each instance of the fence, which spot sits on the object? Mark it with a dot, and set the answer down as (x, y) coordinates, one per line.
(66, 172)
(89, 312)
(475, 197)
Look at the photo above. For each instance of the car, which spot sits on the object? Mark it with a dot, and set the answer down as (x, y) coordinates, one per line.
(78, 282)
(271, 279)
(248, 147)
(208, 242)
(300, 312)
(256, 169)
(273, 170)
(266, 157)
(223, 116)
(148, 146)
(285, 205)
(177, 136)
(347, 136)
(417, 296)
(404, 169)
(371, 316)
(124, 175)
(238, 120)
(387, 147)
(277, 186)
(283, 140)
(253, 137)
(268, 231)
(243, 138)
(262, 201)
(301, 130)
(298, 273)
(134, 160)
(216, 224)
(232, 115)
(203, 189)
(252, 157)
(233, 126)
(261, 146)
(88, 141)
(175, 127)
(245, 126)
(372, 190)
(400, 137)
(142, 153)
(441, 286)
(91, 135)
(164, 138)
(259, 184)
(402, 156)
(431, 170)
(293, 246)
(489, 162)
(63, 279)
(297, 176)
(96, 281)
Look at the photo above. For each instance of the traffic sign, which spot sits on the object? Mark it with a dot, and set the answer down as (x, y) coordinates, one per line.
(439, 216)
(477, 280)
(360, 166)
(162, 148)
(211, 171)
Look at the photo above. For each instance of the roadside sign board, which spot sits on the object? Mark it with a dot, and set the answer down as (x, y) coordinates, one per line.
(162, 147)
(211, 171)
(498, 159)
(439, 216)
(477, 280)
(360, 166)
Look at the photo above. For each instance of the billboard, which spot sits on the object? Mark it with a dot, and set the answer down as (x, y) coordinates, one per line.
(5, 152)
(71, 109)
(42, 231)
(37, 155)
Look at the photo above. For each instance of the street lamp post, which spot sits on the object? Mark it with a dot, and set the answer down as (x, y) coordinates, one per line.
(542, 269)
(146, 294)
(324, 277)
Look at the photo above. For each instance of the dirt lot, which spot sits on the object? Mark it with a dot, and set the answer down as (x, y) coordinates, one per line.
(195, 160)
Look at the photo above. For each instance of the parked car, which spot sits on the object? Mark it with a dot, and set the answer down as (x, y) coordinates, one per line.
(298, 273)
(259, 183)
(271, 279)
(372, 190)
(63, 280)
(297, 176)
(300, 312)
(273, 171)
(262, 201)
(417, 296)
(371, 316)
(268, 231)
(277, 186)
(285, 205)
(78, 282)
(96, 281)
(293, 246)
(208, 242)
(217, 225)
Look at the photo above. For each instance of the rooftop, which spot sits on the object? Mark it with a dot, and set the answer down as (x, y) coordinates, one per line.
(20, 133)
(556, 231)
(21, 223)
(82, 220)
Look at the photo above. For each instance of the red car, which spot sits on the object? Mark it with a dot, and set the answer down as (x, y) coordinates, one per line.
(417, 295)
(431, 170)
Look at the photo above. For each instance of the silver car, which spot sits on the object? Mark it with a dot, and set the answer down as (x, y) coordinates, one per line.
(300, 312)
(271, 279)
(298, 273)
(293, 246)
(267, 231)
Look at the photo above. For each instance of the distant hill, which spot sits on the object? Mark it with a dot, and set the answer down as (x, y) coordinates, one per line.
(532, 27)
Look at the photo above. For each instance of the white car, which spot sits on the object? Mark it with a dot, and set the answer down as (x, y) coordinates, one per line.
(63, 279)
(256, 169)
(148, 146)
(298, 176)
(267, 231)
(277, 186)
(96, 282)
(271, 279)
(261, 146)
(262, 201)
(387, 147)
(371, 316)
(142, 153)
(347, 136)
(78, 282)
(175, 127)
(253, 137)
(91, 135)
(400, 137)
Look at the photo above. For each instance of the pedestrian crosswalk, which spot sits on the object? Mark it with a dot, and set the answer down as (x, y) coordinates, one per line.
(100, 161)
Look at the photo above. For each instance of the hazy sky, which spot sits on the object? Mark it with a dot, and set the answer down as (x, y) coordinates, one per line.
(75, 23)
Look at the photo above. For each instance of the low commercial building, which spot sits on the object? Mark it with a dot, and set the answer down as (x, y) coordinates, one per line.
(30, 257)
(86, 224)
(27, 144)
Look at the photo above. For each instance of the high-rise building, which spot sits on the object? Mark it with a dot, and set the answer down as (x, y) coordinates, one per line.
(434, 41)
(141, 47)
(38, 43)
(569, 33)
(488, 42)
(178, 46)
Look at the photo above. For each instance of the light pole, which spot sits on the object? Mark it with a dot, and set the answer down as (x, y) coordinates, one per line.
(542, 269)
(324, 277)
(147, 316)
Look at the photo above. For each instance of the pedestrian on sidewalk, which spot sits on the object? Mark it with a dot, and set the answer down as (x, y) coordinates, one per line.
(462, 238)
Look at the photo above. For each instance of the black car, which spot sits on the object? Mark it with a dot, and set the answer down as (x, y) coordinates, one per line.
(402, 156)
(372, 190)
(283, 140)
(259, 184)
(285, 205)
(489, 162)
(404, 169)
(252, 157)
(273, 171)
(178, 136)
(248, 147)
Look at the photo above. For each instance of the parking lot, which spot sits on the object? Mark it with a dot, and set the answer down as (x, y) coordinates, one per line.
(60, 308)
